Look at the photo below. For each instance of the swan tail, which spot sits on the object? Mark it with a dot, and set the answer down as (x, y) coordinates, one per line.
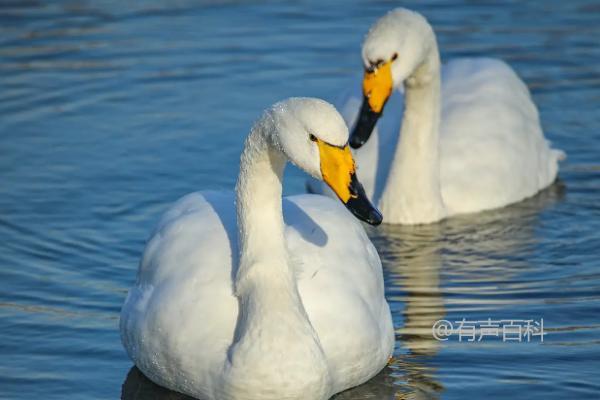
(555, 157)
(559, 155)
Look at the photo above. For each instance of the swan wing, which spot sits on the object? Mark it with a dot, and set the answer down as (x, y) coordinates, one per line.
(178, 319)
(341, 284)
(492, 148)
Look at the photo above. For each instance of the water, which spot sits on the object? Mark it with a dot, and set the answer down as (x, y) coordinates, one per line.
(112, 110)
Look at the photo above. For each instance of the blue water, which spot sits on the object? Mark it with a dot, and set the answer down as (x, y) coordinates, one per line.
(110, 111)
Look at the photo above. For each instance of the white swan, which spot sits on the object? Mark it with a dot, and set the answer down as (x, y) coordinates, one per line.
(470, 139)
(304, 315)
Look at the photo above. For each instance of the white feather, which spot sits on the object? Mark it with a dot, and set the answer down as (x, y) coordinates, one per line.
(487, 151)
(303, 317)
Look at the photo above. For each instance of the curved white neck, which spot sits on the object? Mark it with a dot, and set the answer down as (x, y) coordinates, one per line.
(273, 329)
(259, 211)
(412, 192)
(264, 273)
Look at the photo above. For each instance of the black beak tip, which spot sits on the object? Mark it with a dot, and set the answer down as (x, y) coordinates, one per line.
(363, 210)
(367, 119)
(374, 218)
(355, 142)
(360, 205)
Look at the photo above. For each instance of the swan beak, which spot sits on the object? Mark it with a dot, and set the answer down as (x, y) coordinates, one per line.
(339, 172)
(377, 88)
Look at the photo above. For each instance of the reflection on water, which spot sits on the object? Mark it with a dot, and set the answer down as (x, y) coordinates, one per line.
(464, 248)
(112, 110)
(413, 260)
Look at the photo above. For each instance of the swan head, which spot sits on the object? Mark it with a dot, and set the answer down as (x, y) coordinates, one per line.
(396, 46)
(313, 136)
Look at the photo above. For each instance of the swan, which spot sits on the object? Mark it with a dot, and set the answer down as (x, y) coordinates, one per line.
(470, 137)
(299, 311)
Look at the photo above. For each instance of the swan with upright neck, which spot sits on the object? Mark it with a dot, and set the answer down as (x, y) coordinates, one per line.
(253, 297)
(470, 137)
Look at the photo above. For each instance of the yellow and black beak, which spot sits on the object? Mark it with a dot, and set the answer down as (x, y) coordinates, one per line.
(338, 171)
(377, 88)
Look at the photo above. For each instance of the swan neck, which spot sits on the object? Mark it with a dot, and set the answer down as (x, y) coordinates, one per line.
(259, 207)
(265, 279)
(273, 331)
(412, 193)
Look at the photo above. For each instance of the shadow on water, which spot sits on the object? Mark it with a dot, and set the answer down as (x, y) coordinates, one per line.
(138, 387)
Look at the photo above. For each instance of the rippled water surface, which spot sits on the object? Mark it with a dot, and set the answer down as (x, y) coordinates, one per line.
(109, 111)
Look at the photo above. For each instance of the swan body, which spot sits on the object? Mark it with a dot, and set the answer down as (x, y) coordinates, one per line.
(293, 308)
(470, 136)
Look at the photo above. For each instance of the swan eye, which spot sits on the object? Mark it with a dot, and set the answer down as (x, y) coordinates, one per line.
(374, 65)
(394, 56)
(312, 138)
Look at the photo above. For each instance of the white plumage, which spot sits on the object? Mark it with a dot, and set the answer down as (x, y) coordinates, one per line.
(470, 143)
(303, 317)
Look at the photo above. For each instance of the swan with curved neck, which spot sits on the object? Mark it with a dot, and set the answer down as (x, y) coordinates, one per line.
(301, 313)
(470, 136)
